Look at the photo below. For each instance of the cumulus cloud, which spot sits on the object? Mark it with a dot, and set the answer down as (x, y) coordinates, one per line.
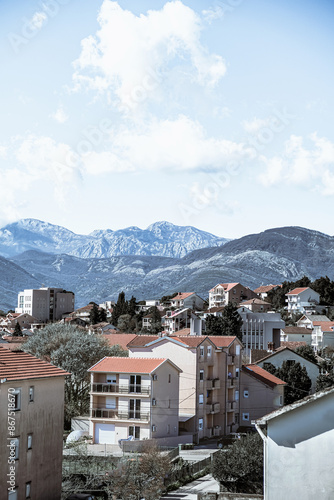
(130, 56)
(301, 166)
(60, 116)
(178, 145)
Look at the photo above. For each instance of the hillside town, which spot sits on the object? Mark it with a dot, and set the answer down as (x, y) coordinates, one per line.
(127, 378)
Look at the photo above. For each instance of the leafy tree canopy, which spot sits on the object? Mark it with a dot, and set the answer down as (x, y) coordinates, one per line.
(75, 351)
(307, 352)
(239, 468)
(17, 330)
(230, 323)
(298, 383)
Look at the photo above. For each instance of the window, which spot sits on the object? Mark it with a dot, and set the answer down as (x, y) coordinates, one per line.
(134, 408)
(154, 402)
(201, 374)
(169, 403)
(237, 373)
(209, 351)
(31, 394)
(154, 428)
(29, 441)
(201, 351)
(200, 399)
(245, 416)
(28, 489)
(134, 431)
(281, 400)
(111, 379)
(237, 395)
(15, 447)
(200, 424)
(236, 418)
(246, 394)
(168, 428)
(135, 383)
(16, 399)
(169, 378)
(12, 495)
(237, 350)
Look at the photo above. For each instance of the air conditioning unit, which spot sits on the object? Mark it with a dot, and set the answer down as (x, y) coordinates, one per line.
(154, 402)
(154, 428)
(155, 376)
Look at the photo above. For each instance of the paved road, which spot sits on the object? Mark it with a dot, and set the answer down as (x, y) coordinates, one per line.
(190, 490)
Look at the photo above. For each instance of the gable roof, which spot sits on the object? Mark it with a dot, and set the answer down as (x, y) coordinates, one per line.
(255, 301)
(227, 286)
(280, 349)
(262, 375)
(302, 330)
(142, 340)
(297, 291)
(222, 340)
(293, 406)
(265, 288)
(22, 366)
(129, 365)
(326, 326)
(293, 345)
(182, 295)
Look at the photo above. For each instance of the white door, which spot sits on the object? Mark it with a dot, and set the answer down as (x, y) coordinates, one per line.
(105, 434)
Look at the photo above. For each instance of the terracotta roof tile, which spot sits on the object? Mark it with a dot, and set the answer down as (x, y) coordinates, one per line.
(297, 291)
(326, 326)
(127, 365)
(292, 345)
(266, 288)
(142, 340)
(182, 295)
(21, 366)
(183, 332)
(227, 286)
(262, 375)
(297, 329)
(121, 339)
(222, 340)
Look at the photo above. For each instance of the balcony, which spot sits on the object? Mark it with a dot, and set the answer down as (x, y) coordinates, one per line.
(114, 414)
(231, 381)
(120, 389)
(213, 408)
(230, 359)
(230, 405)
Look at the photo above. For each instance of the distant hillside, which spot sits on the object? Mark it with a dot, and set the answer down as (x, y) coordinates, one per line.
(272, 256)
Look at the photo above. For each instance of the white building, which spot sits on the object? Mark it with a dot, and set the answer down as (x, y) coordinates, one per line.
(133, 397)
(187, 300)
(223, 293)
(298, 444)
(260, 329)
(45, 304)
(302, 300)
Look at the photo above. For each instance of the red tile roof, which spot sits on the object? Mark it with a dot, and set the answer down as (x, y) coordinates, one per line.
(266, 288)
(183, 332)
(222, 340)
(297, 291)
(121, 339)
(292, 345)
(142, 340)
(326, 326)
(227, 286)
(255, 301)
(22, 366)
(182, 295)
(262, 375)
(297, 329)
(127, 365)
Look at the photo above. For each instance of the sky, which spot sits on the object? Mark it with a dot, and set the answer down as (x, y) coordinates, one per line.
(214, 114)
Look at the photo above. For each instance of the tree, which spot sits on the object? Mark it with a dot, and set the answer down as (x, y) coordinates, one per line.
(75, 351)
(239, 468)
(230, 323)
(307, 352)
(298, 383)
(155, 325)
(325, 380)
(125, 323)
(119, 308)
(17, 330)
(94, 317)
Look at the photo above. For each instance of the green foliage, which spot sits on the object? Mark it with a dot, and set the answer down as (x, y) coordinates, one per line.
(126, 323)
(327, 365)
(94, 317)
(230, 323)
(75, 351)
(165, 298)
(17, 330)
(239, 468)
(325, 287)
(298, 383)
(307, 352)
(155, 326)
(122, 308)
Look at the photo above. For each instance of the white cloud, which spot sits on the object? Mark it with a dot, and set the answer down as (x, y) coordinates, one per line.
(60, 116)
(256, 124)
(130, 56)
(3, 151)
(308, 167)
(38, 20)
(178, 145)
(212, 14)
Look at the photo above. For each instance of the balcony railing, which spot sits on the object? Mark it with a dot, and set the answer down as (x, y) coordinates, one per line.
(115, 414)
(213, 408)
(121, 389)
(231, 381)
(230, 405)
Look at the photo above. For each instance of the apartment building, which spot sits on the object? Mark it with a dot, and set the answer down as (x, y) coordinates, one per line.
(260, 393)
(260, 329)
(31, 425)
(133, 397)
(187, 300)
(174, 321)
(223, 293)
(209, 381)
(45, 304)
(303, 300)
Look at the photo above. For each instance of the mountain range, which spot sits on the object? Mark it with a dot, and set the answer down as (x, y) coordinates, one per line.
(271, 256)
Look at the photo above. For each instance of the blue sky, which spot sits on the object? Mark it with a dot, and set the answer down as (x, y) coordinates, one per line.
(212, 114)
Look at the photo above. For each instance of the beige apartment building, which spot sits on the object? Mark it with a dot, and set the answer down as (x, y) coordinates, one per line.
(223, 293)
(32, 423)
(209, 381)
(45, 304)
(133, 397)
(260, 393)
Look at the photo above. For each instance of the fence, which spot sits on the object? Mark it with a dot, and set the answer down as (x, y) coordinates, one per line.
(187, 470)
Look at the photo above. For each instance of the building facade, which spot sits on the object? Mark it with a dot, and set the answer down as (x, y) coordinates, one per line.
(303, 300)
(223, 293)
(133, 397)
(260, 329)
(32, 423)
(45, 304)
